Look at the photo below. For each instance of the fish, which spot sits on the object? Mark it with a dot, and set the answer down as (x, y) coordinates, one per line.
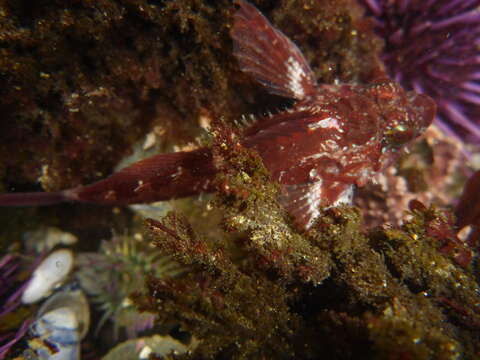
(334, 138)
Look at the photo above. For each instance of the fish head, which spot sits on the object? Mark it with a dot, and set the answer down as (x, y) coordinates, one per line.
(405, 115)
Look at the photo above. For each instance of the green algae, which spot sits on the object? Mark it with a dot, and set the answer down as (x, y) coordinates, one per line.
(393, 293)
(393, 300)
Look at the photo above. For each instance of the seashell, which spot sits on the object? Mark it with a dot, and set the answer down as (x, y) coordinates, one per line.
(62, 322)
(143, 348)
(45, 239)
(51, 272)
(74, 299)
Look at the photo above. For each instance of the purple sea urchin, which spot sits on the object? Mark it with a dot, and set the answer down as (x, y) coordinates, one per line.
(11, 289)
(433, 47)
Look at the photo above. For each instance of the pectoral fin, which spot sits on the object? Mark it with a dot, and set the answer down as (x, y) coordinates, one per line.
(305, 201)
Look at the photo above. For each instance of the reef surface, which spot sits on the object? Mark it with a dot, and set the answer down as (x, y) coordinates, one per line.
(82, 82)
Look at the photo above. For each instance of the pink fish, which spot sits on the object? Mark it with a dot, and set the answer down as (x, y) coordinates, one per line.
(334, 138)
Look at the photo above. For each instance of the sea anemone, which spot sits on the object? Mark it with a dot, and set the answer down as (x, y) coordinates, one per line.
(433, 47)
(117, 271)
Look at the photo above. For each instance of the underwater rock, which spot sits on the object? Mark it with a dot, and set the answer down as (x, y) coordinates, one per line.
(432, 172)
(51, 272)
(468, 211)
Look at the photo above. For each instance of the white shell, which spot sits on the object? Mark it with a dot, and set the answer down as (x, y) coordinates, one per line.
(62, 321)
(52, 271)
(74, 300)
(59, 328)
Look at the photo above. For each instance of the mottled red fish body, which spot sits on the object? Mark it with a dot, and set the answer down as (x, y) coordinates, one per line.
(337, 139)
(335, 136)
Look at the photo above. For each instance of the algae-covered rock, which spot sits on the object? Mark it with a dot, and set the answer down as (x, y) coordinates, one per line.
(83, 79)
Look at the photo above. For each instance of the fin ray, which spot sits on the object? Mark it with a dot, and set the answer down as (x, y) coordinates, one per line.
(269, 56)
(302, 202)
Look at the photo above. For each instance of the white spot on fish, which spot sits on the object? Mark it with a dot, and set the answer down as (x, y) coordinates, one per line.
(295, 74)
(325, 124)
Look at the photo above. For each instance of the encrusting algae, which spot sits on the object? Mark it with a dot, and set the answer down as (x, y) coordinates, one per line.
(253, 285)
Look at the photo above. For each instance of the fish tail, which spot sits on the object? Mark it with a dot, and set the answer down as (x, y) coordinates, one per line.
(158, 178)
(33, 198)
(161, 177)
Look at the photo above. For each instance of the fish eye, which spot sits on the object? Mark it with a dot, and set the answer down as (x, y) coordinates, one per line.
(398, 135)
(400, 128)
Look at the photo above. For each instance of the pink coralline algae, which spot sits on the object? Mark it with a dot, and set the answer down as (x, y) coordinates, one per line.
(334, 137)
(432, 47)
(468, 210)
